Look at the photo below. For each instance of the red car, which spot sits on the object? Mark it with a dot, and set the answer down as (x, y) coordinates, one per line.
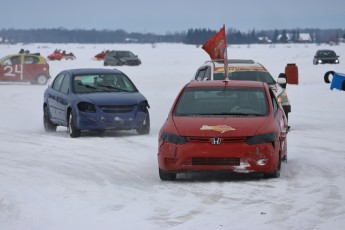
(233, 126)
(24, 67)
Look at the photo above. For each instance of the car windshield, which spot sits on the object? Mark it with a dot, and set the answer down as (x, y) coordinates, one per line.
(125, 54)
(2, 59)
(327, 53)
(220, 101)
(262, 76)
(90, 83)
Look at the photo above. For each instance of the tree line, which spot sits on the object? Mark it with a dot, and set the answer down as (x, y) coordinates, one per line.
(192, 36)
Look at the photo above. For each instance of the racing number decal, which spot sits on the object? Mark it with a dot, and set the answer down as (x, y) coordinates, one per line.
(12, 72)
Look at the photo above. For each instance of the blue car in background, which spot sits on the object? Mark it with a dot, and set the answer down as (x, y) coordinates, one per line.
(96, 100)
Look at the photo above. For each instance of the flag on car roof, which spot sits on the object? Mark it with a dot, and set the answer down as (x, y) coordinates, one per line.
(216, 45)
(217, 49)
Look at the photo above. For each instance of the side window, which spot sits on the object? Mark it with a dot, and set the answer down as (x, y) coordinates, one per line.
(200, 74)
(58, 82)
(274, 102)
(65, 84)
(7, 61)
(30, 60)
(207, 75)
(15, 60)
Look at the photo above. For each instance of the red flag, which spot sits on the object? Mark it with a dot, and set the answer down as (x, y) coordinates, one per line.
(216, 48)
(216, 45)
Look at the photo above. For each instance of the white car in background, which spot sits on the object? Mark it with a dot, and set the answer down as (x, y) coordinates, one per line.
(240, 69)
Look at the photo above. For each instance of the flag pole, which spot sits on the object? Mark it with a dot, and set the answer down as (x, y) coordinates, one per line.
(226, 70)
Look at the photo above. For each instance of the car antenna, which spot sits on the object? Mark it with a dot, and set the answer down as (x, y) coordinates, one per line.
(226, 81)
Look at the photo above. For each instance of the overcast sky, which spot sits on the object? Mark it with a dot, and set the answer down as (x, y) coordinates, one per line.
(161, 17)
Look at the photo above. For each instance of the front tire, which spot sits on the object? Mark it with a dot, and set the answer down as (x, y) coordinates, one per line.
(276, 173)
(72, 130)
(166, 176)
(40, 80)
(145, 127)
(48, 125)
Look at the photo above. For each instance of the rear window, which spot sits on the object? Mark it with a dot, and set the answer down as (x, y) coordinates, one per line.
(217, 101)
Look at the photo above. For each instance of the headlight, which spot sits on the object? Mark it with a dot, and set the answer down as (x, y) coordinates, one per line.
(87, 107)
(173, 138)
(142, 106)
(319, 61)
(261, 138)
(337, 61)
(282, 98)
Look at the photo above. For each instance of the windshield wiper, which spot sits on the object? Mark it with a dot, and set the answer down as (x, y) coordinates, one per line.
(234, 114)
(113, 87)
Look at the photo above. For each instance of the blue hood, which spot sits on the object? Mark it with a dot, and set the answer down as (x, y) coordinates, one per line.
(112, 98)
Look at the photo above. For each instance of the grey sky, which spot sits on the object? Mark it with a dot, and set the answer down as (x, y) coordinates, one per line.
(161, 17)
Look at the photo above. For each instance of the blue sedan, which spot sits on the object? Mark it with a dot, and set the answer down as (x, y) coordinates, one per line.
(94, 99)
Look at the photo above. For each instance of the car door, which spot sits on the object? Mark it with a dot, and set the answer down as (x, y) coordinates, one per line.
(52, 96)
(62, 99)
(31, 67)
(11, 69)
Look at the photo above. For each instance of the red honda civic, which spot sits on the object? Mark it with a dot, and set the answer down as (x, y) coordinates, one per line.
(236, 126)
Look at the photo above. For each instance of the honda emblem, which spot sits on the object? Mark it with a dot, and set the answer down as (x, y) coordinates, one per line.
(215, 141)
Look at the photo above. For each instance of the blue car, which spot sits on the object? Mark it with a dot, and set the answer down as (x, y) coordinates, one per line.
(96, 100)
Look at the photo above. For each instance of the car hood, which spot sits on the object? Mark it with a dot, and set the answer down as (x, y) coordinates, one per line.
(112, 98)
(328, 58)
(129, 59)
(218, 126)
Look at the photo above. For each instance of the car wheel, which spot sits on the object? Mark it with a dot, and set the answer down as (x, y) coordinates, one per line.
(343, 86)
(105, 63)
(48, 125)
(166, 176)
(145, 127)
(41, 79)
(276, 173)
(73, 131)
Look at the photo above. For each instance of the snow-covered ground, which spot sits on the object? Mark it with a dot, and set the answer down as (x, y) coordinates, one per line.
(54, 182)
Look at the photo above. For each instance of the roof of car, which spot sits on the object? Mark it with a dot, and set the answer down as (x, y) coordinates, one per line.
(92, 71)
(236, 62)
(23, 54)
(325, 50)
(119, 51)
(237, 83)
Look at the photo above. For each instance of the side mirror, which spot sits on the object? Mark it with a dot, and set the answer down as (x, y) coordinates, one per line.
(282, 80)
